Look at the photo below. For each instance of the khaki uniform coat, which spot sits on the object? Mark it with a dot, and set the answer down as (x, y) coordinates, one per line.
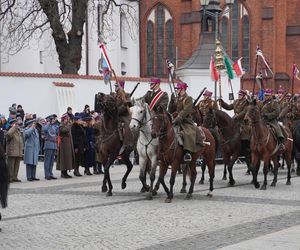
(184, 110)
(65, 154)
(14, 142)
(162, 102)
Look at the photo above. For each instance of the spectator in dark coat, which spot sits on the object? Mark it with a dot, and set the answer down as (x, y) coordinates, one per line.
(89, 156)
(20, 112)
(79, 142)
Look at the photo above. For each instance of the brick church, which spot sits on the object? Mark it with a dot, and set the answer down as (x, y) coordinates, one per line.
(171, 29)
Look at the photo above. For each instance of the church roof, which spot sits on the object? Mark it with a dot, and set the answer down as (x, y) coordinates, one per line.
(202, 55)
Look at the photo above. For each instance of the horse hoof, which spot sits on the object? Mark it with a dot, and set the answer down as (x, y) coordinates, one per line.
(256, 185)
(248, 172)
(154, 193)
(124, 185)
(209, 194)
(298, 171)
(188, 197)
(104, 189)
(149, 197)
(108, 194)
(288, 182)
(183, 191)
(143, 190)
(273, 184)
(263, 187)
(224, 178)
(168, 200)
(231, 183)
(201, 182)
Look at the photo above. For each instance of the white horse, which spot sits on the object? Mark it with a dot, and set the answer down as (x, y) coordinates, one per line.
(141, 121)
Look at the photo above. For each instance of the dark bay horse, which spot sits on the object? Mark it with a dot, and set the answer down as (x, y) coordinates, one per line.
(230, 141)
(296, 148)
(170, 153)
(264, 147)
(4, 180)
(109, 142)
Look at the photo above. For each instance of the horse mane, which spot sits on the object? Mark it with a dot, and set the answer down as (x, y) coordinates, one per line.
(224, 116)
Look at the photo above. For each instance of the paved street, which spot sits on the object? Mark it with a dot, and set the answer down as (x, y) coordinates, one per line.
(74, 214)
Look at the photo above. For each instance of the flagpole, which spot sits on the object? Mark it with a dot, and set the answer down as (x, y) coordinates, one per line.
(220, 87)
(231, 87)
(255, 72)
(293, 78)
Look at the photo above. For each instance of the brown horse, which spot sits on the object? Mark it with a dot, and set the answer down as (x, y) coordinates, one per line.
(171, 153)
(109, 142)
(230, 141)
(264, 147)
(4, 180)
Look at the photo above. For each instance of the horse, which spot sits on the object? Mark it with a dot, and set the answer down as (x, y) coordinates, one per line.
(141, 122)
(170, 152)
(110, 142)
(296, 148)
(230, 141)
(4, 180)
(263, 146)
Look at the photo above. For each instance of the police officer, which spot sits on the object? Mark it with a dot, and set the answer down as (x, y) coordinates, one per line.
(270, 112)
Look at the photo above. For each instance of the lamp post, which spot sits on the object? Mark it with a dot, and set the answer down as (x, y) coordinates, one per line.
(212, 8)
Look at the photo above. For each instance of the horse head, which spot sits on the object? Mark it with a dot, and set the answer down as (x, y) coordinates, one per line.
(138, 115)
(252, 115)
(161, 122)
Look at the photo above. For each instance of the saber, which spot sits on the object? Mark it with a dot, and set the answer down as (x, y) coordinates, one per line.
(135, 87)
(197, 99)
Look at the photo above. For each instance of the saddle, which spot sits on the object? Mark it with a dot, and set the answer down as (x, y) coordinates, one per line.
(200, 135)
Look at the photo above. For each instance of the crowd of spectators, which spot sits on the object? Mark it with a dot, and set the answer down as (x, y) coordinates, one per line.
(69, 140)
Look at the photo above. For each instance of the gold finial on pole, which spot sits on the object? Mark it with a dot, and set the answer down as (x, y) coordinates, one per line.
(219, 56)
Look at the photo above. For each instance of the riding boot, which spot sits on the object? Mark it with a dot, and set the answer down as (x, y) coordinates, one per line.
(187, 157)
(281, 143)
(87, 171)
(64, 174)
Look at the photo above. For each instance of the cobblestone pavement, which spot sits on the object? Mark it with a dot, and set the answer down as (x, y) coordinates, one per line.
(74, 214)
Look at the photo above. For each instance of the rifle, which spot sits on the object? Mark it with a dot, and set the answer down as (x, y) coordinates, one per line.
(135, 87)
(197, 99)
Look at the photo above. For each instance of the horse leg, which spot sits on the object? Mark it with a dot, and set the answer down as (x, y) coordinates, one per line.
(175, 167)
(104, 186)
(193, 175)
(211, 170)
(203, 166)
(230, 166)
(288, 160)
(266, 169)
(152, 178)
(107, 176)
(254, 169)
(129, 168)
(162, 172)
(225, 171)
(184, 172)
(143, 165)
(276, 166)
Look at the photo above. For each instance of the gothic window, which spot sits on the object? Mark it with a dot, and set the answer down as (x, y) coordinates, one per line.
(160, 18)
(159, 41)
(235, 31)
(246, 43)
(150, 48)
(170, 41)
(123, 31)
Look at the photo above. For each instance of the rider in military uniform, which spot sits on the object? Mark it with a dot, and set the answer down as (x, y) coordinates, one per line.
(239, 107)
(206, 103)
(294, 111)
(184, 109)
(270, 112)
(123, 104)
(155, 97)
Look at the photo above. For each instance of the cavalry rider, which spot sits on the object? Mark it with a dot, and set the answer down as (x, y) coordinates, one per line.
(294, 111)
(184, 109)
(239, 107)
(123, 104)
(155, 97)
(207, 102)
(270, 112)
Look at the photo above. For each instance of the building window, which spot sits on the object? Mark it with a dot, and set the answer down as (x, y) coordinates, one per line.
(170, 41)
(160, 41)
(150, 48)
(246, 43)
(237, 43)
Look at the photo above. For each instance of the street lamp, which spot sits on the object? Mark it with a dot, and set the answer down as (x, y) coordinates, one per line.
(214, 5)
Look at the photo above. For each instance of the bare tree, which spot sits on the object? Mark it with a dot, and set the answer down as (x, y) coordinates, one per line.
(24, 20)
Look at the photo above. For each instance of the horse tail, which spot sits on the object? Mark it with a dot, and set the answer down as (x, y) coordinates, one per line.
(4, 179)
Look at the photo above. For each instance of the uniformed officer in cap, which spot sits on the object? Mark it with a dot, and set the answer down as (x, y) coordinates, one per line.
(184, 109)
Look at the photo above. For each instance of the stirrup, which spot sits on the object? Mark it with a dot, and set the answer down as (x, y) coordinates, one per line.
(187, 157)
